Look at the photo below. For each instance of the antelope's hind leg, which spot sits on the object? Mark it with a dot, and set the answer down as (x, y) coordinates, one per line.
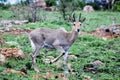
(34, 54)
(37, 44)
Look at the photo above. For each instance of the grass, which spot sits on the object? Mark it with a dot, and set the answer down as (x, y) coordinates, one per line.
(87, 48)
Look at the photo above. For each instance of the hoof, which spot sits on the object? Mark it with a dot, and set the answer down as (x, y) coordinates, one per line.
(51, 62)
(36, 69)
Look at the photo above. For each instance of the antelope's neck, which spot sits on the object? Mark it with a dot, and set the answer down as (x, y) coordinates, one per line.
(72, 36)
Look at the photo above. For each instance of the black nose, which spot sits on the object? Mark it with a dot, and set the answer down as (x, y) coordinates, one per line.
(78, 30)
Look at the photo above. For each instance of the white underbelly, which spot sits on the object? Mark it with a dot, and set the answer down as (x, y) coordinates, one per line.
(32, 44)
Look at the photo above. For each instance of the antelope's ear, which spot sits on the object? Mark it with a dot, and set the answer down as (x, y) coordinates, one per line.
(82, 20)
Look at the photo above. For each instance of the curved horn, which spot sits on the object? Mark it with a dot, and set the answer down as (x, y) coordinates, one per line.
(73, 17)
(79, 16)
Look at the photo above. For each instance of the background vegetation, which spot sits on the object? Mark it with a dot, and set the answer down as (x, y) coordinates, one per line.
(87, 48)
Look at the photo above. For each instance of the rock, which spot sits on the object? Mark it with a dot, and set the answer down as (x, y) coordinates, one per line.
(92, 66)
(60, 76)
(65, 78)
(70, 67)
(2, 59)
(85, 77)
(48, 8)
(20, 54)
(12, 53)
(17, 22)
(24, 69)
(50, 76)
(10, 23)
(107, 32)
(13, 71)
(96, 63)
(1, 41)
(48, 60)
(38, 76)
(12, 44)
(73, 57)
(58, 63)
(88, 9)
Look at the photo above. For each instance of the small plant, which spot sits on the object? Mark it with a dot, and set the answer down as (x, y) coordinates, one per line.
(3, 6)
(87, 48)
(50, 2)
(117, 6)
(67, 7)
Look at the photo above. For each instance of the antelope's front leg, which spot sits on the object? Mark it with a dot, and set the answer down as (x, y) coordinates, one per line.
(66, 68)
(65, 57)
(62, 52)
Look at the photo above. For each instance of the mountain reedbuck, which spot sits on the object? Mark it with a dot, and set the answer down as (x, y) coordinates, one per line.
(58, 39)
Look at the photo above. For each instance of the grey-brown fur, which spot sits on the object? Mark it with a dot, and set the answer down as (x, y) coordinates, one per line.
(58, 39)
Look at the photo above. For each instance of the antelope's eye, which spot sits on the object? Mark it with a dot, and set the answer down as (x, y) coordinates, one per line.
(74, 24)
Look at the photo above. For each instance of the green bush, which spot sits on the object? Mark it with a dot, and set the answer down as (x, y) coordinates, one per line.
(67, 7)
(80, 4)
(95, 5)
(3, 6)
(117, 6)
(50, 2)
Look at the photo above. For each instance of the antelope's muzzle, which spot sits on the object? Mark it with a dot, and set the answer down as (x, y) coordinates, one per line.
(78, 30)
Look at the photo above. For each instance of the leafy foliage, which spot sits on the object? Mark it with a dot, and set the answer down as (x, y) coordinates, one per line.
(50, 2)
(67, 7)
(95, 5)
(3, 6)
(117, 6)
(87, 48)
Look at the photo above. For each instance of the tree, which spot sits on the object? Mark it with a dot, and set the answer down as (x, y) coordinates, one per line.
(3, 0)
(110, 3)
(67, 7)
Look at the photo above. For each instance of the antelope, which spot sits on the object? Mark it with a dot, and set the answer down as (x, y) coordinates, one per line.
(57, 39)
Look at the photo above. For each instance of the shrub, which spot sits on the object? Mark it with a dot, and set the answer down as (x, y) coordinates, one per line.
(81, 4)
(50, 2)
(95, 5)
(117, 6)
(3, 6)
(67, 7)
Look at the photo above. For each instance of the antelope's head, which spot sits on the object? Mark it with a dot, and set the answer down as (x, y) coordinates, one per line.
(77, 24)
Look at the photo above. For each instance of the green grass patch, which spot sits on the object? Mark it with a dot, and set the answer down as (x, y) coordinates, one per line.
(87, 48)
